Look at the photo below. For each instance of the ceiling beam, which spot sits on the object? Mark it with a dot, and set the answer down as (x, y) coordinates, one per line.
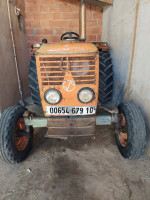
(100, 3)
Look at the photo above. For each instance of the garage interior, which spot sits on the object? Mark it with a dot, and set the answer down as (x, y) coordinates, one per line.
(87, 168)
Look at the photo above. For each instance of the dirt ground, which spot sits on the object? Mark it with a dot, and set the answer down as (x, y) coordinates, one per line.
(76, 169)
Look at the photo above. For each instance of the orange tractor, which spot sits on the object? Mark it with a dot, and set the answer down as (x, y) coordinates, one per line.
(72, 81)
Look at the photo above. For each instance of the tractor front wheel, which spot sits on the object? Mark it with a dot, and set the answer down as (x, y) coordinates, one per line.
(130, 131)
(15, 141)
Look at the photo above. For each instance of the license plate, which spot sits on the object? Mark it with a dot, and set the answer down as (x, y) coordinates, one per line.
(55, 110)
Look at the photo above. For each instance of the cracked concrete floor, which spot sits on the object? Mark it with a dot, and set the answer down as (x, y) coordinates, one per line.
(76, 169)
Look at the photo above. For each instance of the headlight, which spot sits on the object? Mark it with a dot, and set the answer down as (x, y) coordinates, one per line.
(52, 96)
(86, 95)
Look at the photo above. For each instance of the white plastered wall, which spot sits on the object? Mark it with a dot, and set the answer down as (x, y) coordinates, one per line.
(126, 27)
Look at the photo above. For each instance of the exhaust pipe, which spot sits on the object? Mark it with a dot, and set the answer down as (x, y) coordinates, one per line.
(82, 21)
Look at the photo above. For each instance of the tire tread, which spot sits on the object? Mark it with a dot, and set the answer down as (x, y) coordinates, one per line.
(33, 82)
(105, 78)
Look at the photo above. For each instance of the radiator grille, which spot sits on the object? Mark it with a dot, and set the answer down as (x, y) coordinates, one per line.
(53, 69)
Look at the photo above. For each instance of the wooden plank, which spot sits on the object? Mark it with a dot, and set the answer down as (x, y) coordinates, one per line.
(100, 3)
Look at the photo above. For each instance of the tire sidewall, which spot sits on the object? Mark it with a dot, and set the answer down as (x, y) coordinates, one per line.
(125, 151)
(17, 156)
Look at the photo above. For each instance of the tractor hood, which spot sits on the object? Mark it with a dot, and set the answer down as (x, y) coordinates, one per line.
(67, 47)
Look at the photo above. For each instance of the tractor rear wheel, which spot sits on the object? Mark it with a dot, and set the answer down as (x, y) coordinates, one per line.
(131, 131)
(33, 81)
(15, 141)
(105, 78)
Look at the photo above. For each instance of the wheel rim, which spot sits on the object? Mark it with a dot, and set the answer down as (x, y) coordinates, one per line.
(21, 141)
(122, 132)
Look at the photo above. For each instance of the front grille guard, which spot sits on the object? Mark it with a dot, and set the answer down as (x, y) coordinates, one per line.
(61, 65)
(82, 68)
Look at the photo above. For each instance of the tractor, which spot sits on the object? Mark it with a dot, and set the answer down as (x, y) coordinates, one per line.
(71, 84)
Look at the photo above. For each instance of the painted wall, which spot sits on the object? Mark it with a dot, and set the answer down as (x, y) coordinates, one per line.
(127, 29)
(9, 94)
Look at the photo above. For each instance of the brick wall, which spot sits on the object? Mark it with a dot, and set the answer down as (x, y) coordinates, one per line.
(51, 18)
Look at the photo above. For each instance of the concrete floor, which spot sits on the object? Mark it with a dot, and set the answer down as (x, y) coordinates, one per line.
(77, 169)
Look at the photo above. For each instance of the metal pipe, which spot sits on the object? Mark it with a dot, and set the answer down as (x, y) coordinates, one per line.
(103, 119)
(14, 50)
(82, 22)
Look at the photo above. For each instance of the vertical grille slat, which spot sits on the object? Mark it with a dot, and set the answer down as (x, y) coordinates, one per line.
(82, 69)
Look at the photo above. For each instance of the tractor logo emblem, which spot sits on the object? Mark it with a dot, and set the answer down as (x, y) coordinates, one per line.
(69, 85)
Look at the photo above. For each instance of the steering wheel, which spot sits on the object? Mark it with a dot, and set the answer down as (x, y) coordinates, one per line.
(70, 36)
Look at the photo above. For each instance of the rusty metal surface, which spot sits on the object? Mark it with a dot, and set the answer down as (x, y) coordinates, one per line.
(82, 22)
(67, 47)
(102, 46)
(70, 132)
(100, 3)
(71, 122)
(71, 127)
